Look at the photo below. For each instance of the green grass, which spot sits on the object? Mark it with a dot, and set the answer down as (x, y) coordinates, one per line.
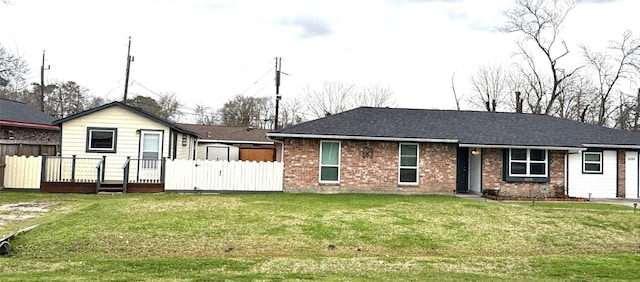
(286, 237)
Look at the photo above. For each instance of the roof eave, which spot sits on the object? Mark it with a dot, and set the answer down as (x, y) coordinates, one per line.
(612, 146)
(363, 138)
(542, 147)
(235, 141)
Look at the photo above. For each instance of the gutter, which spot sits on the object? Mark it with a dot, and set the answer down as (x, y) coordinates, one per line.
(612, 146)
(364, 138)
(235, 142)
(557, 148)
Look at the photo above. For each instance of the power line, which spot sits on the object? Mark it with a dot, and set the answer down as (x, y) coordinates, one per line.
(256, 82)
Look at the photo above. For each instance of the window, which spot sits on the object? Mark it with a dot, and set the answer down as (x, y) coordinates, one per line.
(527, 163)
(592, 162)
(102, 140)
(408, 169)
(329, 162)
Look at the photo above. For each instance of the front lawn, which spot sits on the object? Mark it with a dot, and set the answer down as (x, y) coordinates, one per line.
(325, 237)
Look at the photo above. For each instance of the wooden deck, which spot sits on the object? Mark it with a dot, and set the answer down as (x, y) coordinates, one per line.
(107, 186)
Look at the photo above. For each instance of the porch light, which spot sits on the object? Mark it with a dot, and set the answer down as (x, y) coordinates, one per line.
(475, 151)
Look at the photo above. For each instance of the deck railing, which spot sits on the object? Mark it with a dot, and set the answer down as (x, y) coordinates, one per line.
(144, 171)
(69, 169)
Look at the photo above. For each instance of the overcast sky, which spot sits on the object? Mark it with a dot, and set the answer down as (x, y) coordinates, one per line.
(208, 51)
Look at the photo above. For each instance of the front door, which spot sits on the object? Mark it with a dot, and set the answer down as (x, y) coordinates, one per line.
(150, 153)
(462, 182)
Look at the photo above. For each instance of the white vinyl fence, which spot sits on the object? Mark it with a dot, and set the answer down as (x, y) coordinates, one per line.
(180, 175)
(22, 172)
(209, 175)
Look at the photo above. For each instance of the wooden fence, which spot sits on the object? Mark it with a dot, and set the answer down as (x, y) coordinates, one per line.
(181, 175)
(209, 175)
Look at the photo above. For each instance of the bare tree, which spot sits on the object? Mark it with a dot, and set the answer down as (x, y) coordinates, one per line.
(610, 67)
(169, 106)
(13, 69)
(539, 22)
(455, 94)
(334, 97)
(330, 98)
(206, 115)
(244, 111)
(490, 87)
(375, 95)
(291, 112)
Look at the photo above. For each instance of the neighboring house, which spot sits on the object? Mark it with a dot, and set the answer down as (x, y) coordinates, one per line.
(25, 131)
(391, 150)
(233, 143)
(116, 133)
(21, 122)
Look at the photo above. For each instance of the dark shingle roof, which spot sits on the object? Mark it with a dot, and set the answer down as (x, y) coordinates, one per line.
(228, 133)
(465, 127)
(13, 111)
(130, 108)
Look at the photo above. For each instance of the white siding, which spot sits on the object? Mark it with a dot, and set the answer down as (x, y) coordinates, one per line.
(599, 185)
(184, 152)
(74, 136)
(631, 175)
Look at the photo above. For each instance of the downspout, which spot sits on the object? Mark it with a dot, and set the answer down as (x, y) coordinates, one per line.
(281, 148)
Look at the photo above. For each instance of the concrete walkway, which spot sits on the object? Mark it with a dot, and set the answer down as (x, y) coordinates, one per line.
(616, 201)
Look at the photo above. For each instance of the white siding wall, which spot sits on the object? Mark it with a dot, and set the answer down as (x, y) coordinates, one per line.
(74, 136)
(599, 185)
(185, 152)
(631, 175)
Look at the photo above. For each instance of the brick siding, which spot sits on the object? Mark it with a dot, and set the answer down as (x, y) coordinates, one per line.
(621, 173)
(29, 134)
(379, 174)
(359, 173)
(492, 164)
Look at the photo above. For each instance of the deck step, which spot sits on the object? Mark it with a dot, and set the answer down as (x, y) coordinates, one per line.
(111, 186)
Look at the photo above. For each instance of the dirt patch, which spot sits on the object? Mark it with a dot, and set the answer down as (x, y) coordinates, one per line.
(19, 212)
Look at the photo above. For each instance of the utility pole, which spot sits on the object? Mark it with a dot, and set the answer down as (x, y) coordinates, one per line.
(42, 69)
(126, 80)
(278, 97)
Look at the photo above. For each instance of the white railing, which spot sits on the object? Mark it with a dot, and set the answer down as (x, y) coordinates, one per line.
(205, 175)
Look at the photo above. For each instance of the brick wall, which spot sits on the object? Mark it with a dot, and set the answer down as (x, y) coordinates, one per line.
(29, 134)
(492, 164)
(358, 173)
(621, 173)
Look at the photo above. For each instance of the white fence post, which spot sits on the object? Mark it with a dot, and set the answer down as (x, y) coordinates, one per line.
(209, 175)
(22, 172)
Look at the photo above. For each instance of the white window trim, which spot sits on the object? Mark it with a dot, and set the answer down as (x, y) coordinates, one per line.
(585, 162)
(409, 167)
(113, 138)
(528, 161)
(320, 165)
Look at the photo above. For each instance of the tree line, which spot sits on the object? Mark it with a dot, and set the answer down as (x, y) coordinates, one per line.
(602, 89)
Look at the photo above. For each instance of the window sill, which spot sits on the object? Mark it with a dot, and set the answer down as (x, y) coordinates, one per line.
(526, 179)
(329, 183)
(101, 151)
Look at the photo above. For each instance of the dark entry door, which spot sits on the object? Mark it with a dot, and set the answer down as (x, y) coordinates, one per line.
(462, 183)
